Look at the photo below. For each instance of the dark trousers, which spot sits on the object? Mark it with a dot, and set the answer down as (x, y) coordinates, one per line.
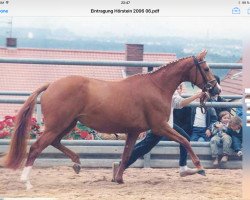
(199, 134)
(236, 143)
(151, 140)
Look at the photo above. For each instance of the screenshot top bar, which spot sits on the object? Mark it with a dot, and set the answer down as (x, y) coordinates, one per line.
(125, 8)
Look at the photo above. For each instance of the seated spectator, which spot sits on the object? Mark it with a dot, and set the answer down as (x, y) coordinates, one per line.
(220, 138)
(201, 122)
(235, 131)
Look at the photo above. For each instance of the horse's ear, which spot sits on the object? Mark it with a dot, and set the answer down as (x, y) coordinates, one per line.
(202, 55)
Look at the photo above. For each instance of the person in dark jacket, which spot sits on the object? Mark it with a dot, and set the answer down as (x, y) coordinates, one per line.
(182, 118)
(235, 131)
(218, 98)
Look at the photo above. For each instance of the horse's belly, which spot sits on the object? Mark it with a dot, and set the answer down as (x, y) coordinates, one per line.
(107, 124)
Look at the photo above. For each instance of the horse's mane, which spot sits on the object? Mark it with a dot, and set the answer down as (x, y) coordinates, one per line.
(168, 65)
(161, 67)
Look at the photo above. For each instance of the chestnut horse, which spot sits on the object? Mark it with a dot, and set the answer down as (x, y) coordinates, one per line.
(132, 105)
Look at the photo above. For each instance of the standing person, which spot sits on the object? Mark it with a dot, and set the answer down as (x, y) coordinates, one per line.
(220, 138)
(235, 131)
(151, 140)
(182, 117)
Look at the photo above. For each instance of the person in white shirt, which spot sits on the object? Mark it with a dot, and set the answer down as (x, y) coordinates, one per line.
(201, 123)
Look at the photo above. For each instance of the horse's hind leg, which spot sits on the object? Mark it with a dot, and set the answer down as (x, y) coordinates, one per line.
(130, 142)
(45, 140)
(72, 155)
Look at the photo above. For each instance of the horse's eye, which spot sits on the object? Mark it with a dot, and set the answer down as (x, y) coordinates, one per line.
(206, 69)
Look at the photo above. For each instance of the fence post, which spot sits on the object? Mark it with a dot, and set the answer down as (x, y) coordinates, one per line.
(147, 158)
(39, 114)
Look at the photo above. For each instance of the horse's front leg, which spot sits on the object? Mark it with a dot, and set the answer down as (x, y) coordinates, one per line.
(165, 130)
(129, 145)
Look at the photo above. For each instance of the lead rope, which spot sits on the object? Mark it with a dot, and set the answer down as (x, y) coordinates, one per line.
(203, 101)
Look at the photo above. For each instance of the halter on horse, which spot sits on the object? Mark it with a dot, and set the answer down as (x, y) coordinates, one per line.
(207, 87)
(132, 105)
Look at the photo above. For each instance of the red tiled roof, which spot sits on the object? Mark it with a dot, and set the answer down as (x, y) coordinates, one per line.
(27, 77)
(232, 83)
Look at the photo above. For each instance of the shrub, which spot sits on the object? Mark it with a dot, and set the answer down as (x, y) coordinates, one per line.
(80, 132)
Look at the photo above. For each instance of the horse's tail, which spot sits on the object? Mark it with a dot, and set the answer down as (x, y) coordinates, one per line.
(18, 144)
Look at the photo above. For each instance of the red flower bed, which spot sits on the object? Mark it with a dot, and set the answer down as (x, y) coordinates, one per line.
(7, 127)
(79, 132)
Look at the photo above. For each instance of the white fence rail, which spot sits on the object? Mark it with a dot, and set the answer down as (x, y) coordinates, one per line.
(103, 153)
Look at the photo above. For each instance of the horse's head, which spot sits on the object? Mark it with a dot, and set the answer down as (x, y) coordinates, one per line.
(202, 76)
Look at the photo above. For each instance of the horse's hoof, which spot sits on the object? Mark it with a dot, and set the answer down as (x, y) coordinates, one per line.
(202, 172)
(77, 168)
(119, 181)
